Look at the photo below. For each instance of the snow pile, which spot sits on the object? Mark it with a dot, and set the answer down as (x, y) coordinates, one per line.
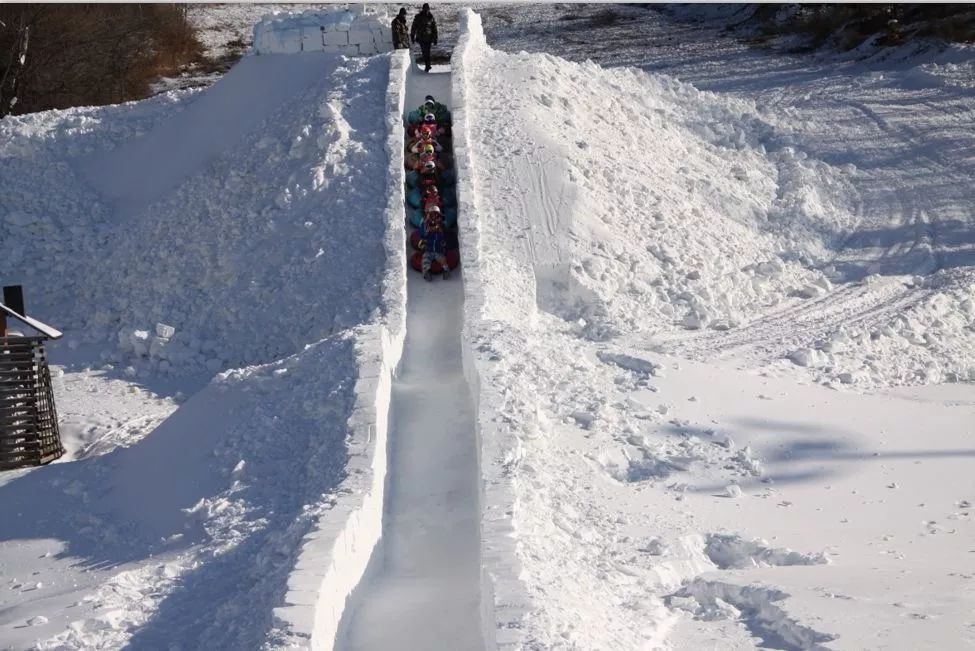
(130, 238)
(932, 340)
(171, 239)
(211, 506)
(339, 32)
(697, 215)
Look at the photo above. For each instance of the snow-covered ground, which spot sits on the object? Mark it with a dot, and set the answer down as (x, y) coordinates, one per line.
(245, 220)
(718, 322)
(656, 499)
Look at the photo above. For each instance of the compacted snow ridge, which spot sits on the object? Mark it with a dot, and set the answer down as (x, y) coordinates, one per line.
(424, 588)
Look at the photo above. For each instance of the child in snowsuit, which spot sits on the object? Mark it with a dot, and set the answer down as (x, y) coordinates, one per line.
(434, 243)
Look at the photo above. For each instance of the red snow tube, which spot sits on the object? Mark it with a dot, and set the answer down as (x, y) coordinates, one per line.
(453, 261)
(416, 241)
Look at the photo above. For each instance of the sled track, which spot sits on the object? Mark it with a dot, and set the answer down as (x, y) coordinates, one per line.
(422, 589)
(801, 324)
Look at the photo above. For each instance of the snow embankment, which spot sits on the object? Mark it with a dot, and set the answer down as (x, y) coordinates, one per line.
(333, 558)
(260, 253)
(574, 232)
(695, 216)
(336, 32)
(504, 601)
(244, 272)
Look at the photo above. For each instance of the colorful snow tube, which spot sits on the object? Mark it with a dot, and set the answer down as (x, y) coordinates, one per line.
(453, 261)
(449, 217)
(416, 241)
(414, 197)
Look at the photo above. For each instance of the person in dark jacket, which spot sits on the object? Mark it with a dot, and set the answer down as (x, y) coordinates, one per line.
(424, 31)
(401, 33)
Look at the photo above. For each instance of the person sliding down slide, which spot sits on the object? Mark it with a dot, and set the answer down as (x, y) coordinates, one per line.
(434, 243)
(429, 105)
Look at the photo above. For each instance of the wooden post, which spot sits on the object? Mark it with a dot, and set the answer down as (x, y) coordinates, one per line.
(13, 297)
(11, 294)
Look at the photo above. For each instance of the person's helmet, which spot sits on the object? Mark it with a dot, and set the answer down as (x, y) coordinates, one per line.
(429, 101)
(427, 131)
(428, 149)
(433, 190)
(430, 118)
(429, 166)
(429, 98)
(432, 208)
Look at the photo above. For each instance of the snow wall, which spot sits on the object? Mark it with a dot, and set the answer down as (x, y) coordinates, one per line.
(351, 33)
(504, 599)
(334, 555)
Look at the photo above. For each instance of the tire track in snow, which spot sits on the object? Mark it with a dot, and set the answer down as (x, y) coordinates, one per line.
(801, 324)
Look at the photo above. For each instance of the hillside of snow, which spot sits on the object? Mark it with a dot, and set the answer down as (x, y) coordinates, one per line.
(236, 234)
(660, 502)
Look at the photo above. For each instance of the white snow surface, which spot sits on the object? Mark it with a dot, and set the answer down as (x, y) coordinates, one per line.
(234, 231)
(636, 499)
(693, 347)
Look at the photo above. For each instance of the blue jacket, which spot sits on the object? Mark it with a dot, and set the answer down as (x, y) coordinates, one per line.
(436, 241)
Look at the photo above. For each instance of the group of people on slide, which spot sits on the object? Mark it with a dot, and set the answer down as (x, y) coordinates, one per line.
(423, 30)
(432, 204)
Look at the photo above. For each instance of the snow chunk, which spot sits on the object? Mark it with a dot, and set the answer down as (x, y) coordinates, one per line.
(729, 551)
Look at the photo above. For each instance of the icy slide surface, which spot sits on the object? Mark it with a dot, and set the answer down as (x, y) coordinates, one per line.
(424, 589)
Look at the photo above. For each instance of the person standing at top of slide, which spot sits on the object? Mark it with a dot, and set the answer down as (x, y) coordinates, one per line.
(401, 35)
(424, 31)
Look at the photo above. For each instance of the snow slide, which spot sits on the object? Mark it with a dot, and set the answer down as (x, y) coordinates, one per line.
(424, 590)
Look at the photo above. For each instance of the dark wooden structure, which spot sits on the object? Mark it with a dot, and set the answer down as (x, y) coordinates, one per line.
(29, 434)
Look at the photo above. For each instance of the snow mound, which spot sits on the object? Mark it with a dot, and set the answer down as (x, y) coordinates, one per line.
(755, 606)
(351, 33)
(154, 216)
(647, 205)
(729, 551)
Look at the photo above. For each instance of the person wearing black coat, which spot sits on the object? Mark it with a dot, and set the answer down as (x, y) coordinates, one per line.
(424, 31)
(401, 34)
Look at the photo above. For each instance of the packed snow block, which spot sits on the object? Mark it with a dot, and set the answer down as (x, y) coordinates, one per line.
(335, 38)
(359, 37)
(336, 32)
(504, 598)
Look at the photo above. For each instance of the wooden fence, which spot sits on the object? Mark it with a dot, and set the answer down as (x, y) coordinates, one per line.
(29, 433)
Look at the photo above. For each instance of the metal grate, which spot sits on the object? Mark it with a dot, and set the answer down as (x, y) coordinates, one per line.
(28, 419)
